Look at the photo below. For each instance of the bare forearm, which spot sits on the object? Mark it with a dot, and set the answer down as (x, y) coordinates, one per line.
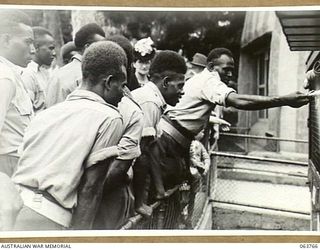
(89, 196)
(255, 102)
(117, 172)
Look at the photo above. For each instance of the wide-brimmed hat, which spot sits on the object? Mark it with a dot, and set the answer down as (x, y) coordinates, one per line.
(199, 60)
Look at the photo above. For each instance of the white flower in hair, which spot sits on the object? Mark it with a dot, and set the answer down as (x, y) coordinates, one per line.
(144, 46)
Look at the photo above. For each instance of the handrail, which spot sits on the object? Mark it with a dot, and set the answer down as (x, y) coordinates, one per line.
(134, 220)
(263, 159)
(264, 137)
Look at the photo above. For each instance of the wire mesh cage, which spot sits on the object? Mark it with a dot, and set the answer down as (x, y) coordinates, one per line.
(183, 209)
(253, 181)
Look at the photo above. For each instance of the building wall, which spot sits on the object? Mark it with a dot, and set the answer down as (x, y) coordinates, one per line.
(286, 74)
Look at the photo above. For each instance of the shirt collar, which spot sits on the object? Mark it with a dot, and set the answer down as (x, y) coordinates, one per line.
(158, 93)
(34, 66)
(14, 67)
(77, 57)
(211, 73)
(89, 95)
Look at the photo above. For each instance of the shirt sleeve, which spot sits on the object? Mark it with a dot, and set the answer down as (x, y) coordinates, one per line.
(129, 145)
(30, 85)
(215, 91)
(105, 145)
(56, 92)
(152, 114)
(7, 90)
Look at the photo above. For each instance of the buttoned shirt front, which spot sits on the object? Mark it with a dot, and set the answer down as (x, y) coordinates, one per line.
(65, 139)
(202, 93)
(64, 81)
(152, 104)
(15, 108)
(35, 79)
(132, 115)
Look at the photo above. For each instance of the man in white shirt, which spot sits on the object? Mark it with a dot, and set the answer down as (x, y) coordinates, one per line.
(202, 93)
(16, 38)
(69, 139)
(116, 203)
(67, 78)
(36, 75)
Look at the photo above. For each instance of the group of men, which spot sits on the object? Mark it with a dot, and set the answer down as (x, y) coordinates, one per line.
(67, 142)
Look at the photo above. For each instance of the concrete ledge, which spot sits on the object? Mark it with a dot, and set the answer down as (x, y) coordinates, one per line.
(229, 216)
(261, 176)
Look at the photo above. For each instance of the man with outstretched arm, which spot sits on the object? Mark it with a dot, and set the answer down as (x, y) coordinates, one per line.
(181, 123)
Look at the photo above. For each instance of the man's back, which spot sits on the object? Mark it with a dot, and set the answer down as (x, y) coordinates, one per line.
(152, 104)
(64, 140)
(66, 80)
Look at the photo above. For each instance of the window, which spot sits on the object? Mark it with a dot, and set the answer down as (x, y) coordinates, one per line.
(262, 63)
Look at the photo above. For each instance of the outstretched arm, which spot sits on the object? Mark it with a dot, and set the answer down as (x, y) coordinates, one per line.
(255, 102)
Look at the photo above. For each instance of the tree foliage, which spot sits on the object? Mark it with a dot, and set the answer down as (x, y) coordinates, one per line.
(189, 31)
(185, 31)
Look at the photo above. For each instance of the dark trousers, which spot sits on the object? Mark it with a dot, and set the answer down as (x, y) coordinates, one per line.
(169, 162)
(141, 173)
(116, 207)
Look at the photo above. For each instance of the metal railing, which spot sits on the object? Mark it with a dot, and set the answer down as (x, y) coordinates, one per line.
(262, 181)
(245, 141)
(185, 208)
(189, 203)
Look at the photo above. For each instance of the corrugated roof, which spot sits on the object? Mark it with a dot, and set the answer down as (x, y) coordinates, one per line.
(302, 29)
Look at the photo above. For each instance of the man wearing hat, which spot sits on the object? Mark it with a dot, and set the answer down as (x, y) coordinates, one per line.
(199, 62)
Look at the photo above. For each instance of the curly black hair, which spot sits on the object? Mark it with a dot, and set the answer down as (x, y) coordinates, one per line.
(85, 34)
(217, 52)
(124, 44)
(103, 58)
(167, 61)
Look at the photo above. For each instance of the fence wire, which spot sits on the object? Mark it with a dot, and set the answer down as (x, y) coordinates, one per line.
(274, 184)
(182, 210)
(224, 183)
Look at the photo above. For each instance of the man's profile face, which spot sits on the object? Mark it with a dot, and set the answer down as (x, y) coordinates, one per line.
(224, 65)
(115, 94)
(174, 90)
(45, 51)
(20, 45)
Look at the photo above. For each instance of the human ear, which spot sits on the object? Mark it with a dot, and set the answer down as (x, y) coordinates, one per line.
(165, 83)
(107, 82)
(210, 66)
(86, 46)
(36, 46)
(5, 39)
